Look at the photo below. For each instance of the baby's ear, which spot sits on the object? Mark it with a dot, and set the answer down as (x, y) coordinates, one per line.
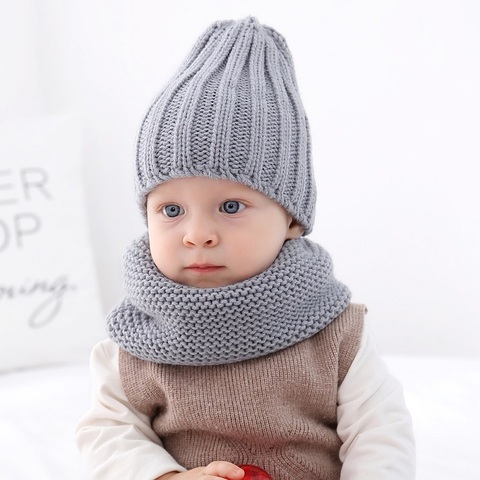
(295, 230)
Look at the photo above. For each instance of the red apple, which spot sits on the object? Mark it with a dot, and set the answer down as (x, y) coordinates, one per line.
(254, 473)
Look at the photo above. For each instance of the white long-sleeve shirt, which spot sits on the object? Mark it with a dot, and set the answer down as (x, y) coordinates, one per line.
(374, 425)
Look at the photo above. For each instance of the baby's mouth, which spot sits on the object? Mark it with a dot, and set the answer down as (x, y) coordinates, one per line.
(204, 268)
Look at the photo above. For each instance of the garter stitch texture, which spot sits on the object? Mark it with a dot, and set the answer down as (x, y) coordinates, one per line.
(232, 111)
(165, 322)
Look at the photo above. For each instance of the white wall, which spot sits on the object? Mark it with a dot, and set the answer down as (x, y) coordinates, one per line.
(392, 92)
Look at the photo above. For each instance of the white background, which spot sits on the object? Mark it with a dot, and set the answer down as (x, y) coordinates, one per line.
(392, 91)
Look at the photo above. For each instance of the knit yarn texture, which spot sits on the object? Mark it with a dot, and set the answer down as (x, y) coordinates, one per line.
(165, 322)
(232, 111)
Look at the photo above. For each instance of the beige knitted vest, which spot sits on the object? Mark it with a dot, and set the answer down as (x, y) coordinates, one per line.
(278, 411)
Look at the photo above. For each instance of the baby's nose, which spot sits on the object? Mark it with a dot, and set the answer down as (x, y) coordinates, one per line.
(201, 234)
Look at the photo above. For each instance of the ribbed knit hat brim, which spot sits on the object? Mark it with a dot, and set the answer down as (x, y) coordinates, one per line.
(232, 111)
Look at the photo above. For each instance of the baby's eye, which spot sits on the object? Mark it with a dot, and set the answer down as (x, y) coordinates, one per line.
(232, 206)
(172, 210)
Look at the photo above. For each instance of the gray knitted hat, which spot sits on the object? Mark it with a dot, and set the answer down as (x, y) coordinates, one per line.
(232, 111)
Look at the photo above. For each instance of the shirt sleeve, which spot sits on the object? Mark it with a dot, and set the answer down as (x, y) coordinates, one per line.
(373, 421)
(115, 440)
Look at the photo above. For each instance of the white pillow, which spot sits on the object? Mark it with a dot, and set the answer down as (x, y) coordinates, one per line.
(49, 302)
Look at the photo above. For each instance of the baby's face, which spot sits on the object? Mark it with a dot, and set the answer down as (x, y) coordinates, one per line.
(208, 233)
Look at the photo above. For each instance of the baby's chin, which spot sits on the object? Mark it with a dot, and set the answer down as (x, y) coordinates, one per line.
(217, 279)
(205, 280)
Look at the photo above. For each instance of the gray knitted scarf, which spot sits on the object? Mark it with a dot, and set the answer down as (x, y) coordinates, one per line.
(165, 322)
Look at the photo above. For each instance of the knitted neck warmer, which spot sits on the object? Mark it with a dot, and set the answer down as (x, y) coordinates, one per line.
(166, 322)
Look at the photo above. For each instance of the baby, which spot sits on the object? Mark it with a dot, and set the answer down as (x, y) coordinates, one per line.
(235, 343)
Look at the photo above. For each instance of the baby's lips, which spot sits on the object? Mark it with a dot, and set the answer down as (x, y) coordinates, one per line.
(254, 473)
